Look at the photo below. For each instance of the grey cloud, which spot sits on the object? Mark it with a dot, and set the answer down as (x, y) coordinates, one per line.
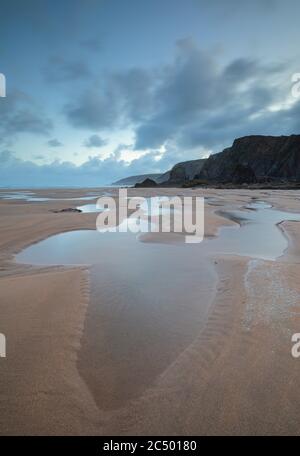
(136, 87)
(27, 121)
(154, 133)
(193, 100)
(94, 172)
(115, 100)
(119, 149)
(97, 108)
(6, 157)
(195, 91)
(19, 114)
(61, 70)
(54, 143)
(241, 68)
(95, 141)
(219, 133)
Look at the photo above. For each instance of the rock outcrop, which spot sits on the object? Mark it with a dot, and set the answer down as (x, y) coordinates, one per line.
(250, 160)
(67, 209)
(146, 183)
(255, 159)
(243, 174)
(185, 171)
(132, 180)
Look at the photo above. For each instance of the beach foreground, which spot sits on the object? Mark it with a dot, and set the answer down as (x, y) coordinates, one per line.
(84, 357)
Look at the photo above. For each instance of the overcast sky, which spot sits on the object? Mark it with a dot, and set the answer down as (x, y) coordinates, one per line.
(102, 89)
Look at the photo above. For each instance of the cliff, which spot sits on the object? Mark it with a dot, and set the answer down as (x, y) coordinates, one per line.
(185, 171)
(255, 159)
(132, 180)
(250, 160)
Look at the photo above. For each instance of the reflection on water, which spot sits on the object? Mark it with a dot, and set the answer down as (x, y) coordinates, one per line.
(150, 206)
(87, 208)
(30, 196)
(255, 205)
(258, 236)
(149, 301)
(24, 196)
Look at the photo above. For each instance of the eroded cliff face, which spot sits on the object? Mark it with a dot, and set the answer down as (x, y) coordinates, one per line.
(255, 159)
(185, 171)
(250, 160)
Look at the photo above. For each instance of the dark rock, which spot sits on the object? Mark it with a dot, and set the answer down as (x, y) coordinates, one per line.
(267, 158)
(270, 161)
(243, 175)
(146, 183)
(132, 180)
(195, 183)
(68, 209)
(185, 171)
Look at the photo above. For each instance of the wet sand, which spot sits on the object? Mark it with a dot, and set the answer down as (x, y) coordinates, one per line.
(73, 364)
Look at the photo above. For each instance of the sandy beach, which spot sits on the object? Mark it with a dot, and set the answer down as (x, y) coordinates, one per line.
(84, 357)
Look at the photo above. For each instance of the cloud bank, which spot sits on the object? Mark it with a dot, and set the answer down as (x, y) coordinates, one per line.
(192, 101)
(94, 172)
(176, 111)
